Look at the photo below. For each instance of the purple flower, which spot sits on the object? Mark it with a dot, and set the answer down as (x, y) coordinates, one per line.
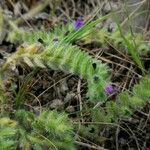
(109, 89)
(78, 23)
(65, 21)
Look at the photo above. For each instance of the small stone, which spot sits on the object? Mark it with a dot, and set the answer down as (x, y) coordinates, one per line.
(70, 109)
(56, 103)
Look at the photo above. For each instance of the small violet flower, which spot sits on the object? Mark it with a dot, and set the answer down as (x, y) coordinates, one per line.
(65, 21)
(78, 23)
(109, 89)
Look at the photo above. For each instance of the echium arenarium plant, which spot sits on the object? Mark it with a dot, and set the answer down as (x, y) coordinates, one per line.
(54, 50)
(126, 104)
(67, 58)
(115, 39)
(48, 130)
